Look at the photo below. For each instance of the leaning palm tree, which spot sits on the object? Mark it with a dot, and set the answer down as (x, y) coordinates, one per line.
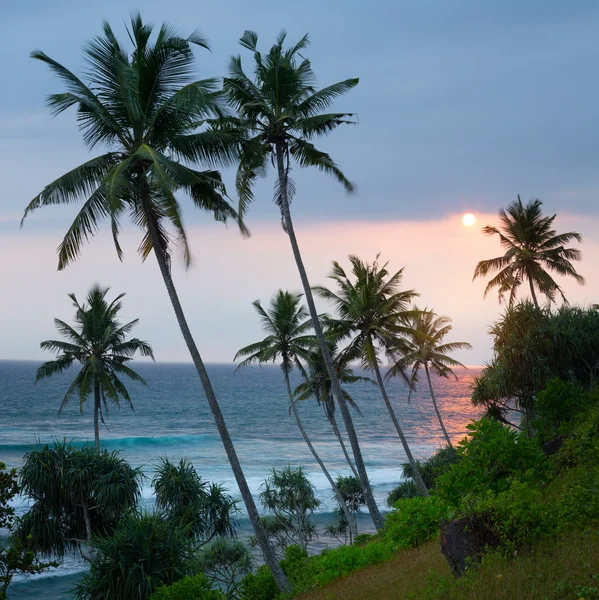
(286, 324)
(372, 317)
(422, 348)
(149, 113)
(98, 342)
(280, 113)
(532, 249)
(317, 384)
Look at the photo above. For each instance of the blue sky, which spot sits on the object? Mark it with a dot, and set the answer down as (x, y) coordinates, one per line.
(462, 105)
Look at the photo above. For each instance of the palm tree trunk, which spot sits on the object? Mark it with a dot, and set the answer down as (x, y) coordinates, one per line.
(430, 386)
(375, 514)
(268, 552)
(96, 412)
(402, 437)
(532, 292)
(337, 433)
(317, 458)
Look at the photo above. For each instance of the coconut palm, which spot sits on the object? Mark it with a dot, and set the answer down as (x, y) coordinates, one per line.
(287, 326)
(533, 249)
(317, 384)
(422, 349)
(98, 342)
(149, 112)
(280, 113)
(372, 316)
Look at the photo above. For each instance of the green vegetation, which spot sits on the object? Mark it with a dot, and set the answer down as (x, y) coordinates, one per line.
(98, 342)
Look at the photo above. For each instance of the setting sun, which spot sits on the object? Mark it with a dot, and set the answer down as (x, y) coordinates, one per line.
(469, 219)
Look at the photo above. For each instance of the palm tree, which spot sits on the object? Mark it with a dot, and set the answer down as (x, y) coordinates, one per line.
(422, 348)
(149, 111)
(279, 113)
(372, 315)
(533, 249)
(98, 342)
(317, 384)
(286, 324)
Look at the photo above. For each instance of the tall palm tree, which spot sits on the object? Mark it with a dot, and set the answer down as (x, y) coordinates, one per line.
(317, 384)
(149, 112)
(372, 315)
(286, 324)
(280, 113)
(98, 342)
(533, 249)
(422, 348)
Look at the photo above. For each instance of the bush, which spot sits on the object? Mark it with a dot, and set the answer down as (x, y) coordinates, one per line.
(557, 406)
(259, 586)
(414, 521)
(189, 588)
(492, 458)
(225, 563)
(405, 490)
(144, 553)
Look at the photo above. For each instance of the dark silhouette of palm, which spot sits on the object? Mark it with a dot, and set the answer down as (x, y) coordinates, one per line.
(280, 113)
(98, 342)
(153, 117)
(422, 349)
(371, 315)
(533, 249)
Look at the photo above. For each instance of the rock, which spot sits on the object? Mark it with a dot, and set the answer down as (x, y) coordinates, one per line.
(552, 446)
(464, 541)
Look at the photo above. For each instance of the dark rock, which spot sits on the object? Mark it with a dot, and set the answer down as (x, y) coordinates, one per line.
(552, 446)
(464, 541)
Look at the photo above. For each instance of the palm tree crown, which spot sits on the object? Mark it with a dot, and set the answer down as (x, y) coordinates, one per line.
(287, 324)
(533, 249)
(372, 310)
(148, 111)
(98, 342)
(280, 112)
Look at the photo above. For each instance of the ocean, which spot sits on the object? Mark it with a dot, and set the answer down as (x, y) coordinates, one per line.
(172, 418)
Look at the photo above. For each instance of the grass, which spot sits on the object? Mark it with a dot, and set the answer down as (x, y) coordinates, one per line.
(563, 569)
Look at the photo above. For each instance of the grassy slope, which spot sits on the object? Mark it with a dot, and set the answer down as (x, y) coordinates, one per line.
(566, 569)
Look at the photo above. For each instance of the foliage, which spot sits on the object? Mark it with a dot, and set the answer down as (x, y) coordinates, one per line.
(291, 497)
(556, 406)
(76, 493)
(259, 586)
(98, 342)
(531, 346)
(204, 510)
(414, 521)
(533, 250)
(142, 554)
(493, 456)
(225, 562)
(15, 557)
(405, 489)
(197, 587)
(353, 496)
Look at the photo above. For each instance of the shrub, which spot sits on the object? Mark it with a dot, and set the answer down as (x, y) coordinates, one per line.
(406, 489)
(188, 588)
(414, 521)
(492, 458)
(144, 553)
(259, 586)
(225, 562)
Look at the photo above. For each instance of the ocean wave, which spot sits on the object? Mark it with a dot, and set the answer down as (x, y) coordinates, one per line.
(116, 443)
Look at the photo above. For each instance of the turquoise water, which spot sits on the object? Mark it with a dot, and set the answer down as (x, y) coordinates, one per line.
(172, 418)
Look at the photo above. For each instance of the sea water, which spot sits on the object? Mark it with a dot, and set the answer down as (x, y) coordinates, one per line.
(171, 418)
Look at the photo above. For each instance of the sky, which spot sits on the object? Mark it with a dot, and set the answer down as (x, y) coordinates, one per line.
(461, 106)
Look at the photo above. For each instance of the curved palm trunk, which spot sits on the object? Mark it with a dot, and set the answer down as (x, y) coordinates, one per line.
(96, 413)
(402, 437)
(342, 504)
(337, 433)
(430, 386)
(268, 552)
(375, 514)
(532, 292)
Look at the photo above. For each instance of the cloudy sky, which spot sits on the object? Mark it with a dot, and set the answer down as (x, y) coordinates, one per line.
(462, 105)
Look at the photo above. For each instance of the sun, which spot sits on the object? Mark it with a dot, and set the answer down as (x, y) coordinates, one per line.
(469, 219)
